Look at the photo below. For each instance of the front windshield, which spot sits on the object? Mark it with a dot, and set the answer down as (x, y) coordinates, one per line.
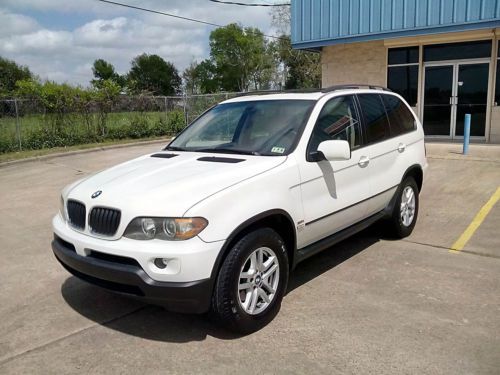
(264, 127)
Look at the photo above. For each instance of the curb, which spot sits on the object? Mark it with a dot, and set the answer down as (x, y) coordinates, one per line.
(85, 151)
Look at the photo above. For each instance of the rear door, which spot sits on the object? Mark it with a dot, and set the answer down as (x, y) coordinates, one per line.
(405, 138)
(382, 151)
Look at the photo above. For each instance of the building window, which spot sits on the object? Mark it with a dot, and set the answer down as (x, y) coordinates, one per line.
(402, 73)
(458, 51)
(497, 84)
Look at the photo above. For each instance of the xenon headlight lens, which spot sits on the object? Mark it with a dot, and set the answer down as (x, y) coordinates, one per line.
(165, 228)
(148, 226)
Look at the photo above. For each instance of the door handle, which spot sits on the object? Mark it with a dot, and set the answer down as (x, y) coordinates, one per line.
(401, 147)
(363, 161)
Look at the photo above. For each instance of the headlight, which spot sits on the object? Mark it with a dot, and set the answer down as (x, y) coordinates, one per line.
(62, 209)
(165, 228)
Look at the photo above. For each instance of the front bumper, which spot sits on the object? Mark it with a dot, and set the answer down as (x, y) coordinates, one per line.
(188, 260)
(125, 275)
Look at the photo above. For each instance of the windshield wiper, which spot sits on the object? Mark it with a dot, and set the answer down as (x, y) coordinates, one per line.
(228, 151)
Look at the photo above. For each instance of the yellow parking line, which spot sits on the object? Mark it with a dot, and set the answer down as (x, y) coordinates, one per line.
(476, 222)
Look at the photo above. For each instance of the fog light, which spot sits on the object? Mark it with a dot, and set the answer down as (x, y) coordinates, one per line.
(161, 262)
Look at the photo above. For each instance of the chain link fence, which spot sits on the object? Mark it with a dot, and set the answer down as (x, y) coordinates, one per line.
(30, 125)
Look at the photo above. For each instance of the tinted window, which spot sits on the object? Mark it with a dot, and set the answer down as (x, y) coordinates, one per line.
(405, 55)
(404, 81)
(400, 118)
(457, 51)
(376, 123)
(337, 120)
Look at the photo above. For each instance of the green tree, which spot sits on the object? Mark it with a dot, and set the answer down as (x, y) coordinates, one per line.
(152, 74)
(57, 99)
(105, 97)
(239, 57)
(190, 79)
(10, 73)
(103, 71)
(201, 78)
(298, 68)
(207, 77)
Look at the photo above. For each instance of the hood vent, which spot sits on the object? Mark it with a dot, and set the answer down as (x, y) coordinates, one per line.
(218, 159)
(164, 156)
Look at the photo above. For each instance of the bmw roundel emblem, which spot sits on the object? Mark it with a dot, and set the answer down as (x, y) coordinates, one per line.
(96, 194)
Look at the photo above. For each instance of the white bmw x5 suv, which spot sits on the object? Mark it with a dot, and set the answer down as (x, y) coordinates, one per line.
(218, 219)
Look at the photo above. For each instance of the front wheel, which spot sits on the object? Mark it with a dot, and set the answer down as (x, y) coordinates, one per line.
(252, 282)
(405, 212)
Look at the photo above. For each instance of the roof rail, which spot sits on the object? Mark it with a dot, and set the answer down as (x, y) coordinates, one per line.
(264, 92)
(354, 86)
(311, 90)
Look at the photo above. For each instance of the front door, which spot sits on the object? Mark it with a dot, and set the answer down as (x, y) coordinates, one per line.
(452, 90)
(335, 193)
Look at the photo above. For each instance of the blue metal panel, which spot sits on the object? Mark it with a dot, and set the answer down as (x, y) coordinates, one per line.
(344, 17)
(325, 23)
(321, 22)
(364, 17)
(334, 26)
(375, 15)
(386, 15)
(316, 17)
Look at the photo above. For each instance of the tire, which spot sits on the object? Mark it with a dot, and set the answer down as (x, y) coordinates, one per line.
(230, 306)
(400, 225)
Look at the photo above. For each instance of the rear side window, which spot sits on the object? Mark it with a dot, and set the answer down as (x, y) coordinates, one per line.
(400, 118)
(376, 123)
(337, 120)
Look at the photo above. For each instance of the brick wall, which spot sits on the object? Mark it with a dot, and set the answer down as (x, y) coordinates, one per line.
(354, 63)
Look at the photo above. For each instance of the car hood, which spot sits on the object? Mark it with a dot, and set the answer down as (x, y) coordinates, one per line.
(159, 185)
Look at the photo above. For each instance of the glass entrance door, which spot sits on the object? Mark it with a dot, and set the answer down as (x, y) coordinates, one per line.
(437, 103)
(451, 91)
(472, 94)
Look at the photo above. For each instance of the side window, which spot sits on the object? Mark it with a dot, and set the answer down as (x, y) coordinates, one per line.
(400, 117)
(337, 120)
(376, 123)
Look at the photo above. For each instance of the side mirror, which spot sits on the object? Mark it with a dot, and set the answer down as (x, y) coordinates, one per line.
(335, 150)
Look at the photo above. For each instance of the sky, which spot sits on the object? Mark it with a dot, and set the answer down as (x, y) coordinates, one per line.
(60, 39)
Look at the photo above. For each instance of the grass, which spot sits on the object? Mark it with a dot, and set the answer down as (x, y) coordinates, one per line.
(30, 123)
(40, 132)
(18, 155)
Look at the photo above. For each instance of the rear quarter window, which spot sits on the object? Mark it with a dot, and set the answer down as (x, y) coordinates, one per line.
(401, 119)
(376, 122)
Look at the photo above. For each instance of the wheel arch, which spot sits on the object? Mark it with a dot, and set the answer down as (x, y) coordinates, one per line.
(414, 171)
(276, 219)
(417, 173)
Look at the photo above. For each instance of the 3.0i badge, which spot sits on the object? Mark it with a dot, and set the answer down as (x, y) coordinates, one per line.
(96, 194)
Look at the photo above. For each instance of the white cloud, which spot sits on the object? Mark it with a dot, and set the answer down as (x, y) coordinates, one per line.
(112, 33)
(12, 23)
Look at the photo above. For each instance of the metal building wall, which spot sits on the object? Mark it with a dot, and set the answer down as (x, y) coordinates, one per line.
(316, 23)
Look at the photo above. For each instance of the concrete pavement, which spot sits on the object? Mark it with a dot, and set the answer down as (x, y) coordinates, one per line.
(368, 305)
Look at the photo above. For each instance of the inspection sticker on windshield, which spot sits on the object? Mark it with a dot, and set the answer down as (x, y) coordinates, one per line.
(278, 150)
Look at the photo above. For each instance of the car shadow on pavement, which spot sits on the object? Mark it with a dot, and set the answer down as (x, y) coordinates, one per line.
(150, 322)
(332, 257)
(135, 318)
